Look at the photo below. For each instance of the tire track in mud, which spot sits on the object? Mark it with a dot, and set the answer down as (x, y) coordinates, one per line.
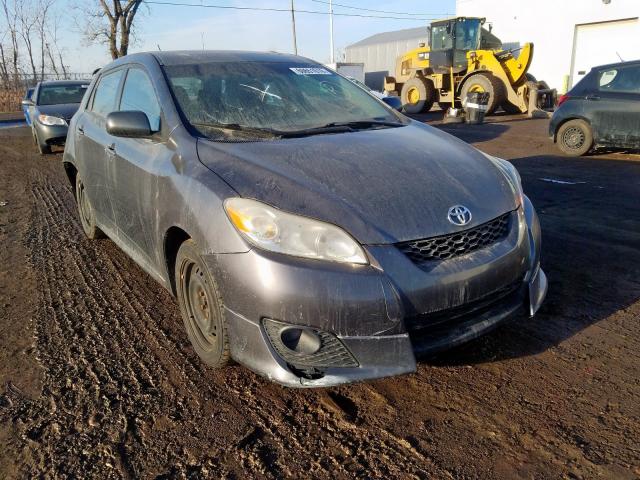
(114, 365)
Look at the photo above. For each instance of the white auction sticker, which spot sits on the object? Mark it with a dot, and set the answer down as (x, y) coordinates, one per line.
(310, 71)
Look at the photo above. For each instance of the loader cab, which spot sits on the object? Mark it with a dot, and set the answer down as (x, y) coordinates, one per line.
(451, 40)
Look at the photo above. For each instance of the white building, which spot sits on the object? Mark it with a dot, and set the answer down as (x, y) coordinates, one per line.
(569, 36)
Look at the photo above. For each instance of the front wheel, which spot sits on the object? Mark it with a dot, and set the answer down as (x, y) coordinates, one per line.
(575, 138)
(201, 307)
(485, 83)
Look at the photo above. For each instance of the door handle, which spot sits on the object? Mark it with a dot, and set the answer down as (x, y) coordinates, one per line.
(81, 130)
(593, 97)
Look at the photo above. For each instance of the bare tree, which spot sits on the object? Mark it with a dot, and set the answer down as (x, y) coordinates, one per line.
(42, 23)
(112, 24)
(27, 22)
(10, 9)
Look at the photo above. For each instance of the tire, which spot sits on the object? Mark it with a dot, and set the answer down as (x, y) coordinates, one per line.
(485, 82)
(417, 95)
(575, 138)
(201, 307)
(86, 212)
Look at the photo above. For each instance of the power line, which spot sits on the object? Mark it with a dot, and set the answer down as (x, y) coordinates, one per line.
(379, 11)
(287, 10)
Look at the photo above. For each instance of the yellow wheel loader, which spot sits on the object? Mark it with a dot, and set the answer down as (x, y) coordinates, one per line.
(465, 57)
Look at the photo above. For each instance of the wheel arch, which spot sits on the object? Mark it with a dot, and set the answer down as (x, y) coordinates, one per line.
(72, 172)
(173, 239)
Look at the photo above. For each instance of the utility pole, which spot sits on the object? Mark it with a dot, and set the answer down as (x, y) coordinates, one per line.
(331, 57)
(293, 25)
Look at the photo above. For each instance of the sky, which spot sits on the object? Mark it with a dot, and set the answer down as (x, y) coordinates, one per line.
(171, 27)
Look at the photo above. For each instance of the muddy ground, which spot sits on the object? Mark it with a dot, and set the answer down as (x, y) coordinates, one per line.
(97, 378)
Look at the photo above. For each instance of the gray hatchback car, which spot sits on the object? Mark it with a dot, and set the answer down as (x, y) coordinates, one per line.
(308, 231)
(51, 106)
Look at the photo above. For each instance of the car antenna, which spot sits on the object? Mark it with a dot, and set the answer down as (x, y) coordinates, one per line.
(158, 45)
(619, 57)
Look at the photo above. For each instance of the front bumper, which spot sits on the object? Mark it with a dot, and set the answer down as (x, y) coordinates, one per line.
(51, 134)
(372, 310)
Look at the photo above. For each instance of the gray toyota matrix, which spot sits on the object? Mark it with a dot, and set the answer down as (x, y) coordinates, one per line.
(307, 230)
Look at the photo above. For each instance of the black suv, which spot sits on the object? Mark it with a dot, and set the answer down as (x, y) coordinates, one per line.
(602, 110)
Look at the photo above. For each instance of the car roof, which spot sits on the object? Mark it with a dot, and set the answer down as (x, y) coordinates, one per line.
(617, 64)
(187, 57)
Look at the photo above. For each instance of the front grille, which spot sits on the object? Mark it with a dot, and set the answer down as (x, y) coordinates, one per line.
(455, 244)
(332, 352)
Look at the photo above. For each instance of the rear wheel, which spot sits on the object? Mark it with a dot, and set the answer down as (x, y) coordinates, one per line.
(575, 138)
(485, 82)
(201, 307)
(417, 95)
(86, 212)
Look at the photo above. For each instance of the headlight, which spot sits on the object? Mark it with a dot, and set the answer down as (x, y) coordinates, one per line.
(512, 174)
(272, 229)
(49, 120)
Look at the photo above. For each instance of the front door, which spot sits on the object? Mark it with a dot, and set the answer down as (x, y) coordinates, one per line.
(138, 165)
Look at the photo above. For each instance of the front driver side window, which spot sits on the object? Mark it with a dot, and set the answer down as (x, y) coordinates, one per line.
(104, 100)
(138, 94)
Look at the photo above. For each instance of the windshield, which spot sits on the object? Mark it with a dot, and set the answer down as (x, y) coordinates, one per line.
(278, 97)
(60, 94)
(467, 34)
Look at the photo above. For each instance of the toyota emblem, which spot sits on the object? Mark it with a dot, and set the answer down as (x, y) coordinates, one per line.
(459, 215)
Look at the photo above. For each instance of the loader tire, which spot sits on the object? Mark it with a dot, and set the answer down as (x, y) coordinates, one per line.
(485, 82)
(418, 95)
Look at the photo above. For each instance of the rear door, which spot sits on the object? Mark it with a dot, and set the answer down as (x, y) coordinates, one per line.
(138, 170)
(95, 145)
(615, 106)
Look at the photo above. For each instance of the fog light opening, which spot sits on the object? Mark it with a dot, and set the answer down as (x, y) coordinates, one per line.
(301, 340)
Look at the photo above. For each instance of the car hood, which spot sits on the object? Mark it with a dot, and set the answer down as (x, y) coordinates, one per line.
(63, 110)
(382, 186)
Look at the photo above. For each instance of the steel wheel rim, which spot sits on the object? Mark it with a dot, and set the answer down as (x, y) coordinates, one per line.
(573, 138)
(198, 306)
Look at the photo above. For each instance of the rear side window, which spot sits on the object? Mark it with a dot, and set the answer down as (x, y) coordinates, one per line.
(104, 100)
(138, 94)
(620, 80)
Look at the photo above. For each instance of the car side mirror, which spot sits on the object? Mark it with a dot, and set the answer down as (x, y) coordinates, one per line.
(129, 124)
(393, 102)
(26, 103)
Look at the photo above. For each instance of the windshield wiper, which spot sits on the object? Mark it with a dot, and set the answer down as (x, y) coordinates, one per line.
(239, 128)
(338, 127)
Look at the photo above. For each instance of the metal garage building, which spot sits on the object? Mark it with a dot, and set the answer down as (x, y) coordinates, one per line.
(379, 52)
(569, 36)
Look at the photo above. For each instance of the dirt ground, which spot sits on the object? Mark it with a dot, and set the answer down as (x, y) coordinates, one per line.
(97, 378)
